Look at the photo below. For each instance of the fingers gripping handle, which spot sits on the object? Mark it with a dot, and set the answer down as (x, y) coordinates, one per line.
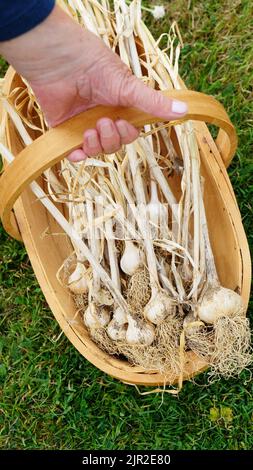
(57, 143)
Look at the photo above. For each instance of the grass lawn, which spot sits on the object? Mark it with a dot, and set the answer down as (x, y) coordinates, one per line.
(50, 396)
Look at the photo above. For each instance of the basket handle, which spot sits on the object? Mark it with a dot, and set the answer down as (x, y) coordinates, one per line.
(57, 143)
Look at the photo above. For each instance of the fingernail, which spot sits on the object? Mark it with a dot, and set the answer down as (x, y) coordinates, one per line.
(92, 140)
(107, 129)
(179, 107)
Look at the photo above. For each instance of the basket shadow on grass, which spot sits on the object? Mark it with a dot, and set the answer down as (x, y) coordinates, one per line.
(50, 396)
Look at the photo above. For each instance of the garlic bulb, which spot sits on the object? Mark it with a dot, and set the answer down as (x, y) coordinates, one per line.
(95, 318)
(158, 308)
(139, 332)
(77, 282)
(219, 302)
(131, 259)
(117, 327)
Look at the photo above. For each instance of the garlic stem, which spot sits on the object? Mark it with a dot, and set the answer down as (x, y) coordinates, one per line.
(178, 279)
(195, 164)
(112, 252)
(93, 239)
(212, 275)
(110, 239)
(154, 208)
(85, 15)
(140, 215)
(142, 219)
(17, 122)
(119, 26)
(165, 280)
(158, 175)
(119, 212)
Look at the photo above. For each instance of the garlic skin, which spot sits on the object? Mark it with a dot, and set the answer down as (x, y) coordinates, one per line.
(95, 318)
(116, 332)
(131, 259)
(77, 282)
(139, 332)
(117, 327)
(158, 308)
(120, 316)
(219, 302)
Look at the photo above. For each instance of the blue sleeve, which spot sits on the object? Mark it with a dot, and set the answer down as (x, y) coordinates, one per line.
(19, 16)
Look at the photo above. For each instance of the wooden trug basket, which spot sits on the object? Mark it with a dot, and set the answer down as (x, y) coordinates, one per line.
(47, 253)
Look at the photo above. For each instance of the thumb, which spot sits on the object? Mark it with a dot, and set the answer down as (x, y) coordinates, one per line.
(135, 93)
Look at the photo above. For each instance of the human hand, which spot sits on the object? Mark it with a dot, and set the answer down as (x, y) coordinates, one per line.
(71, 70)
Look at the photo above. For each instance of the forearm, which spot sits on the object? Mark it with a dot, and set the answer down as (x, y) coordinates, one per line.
(44, 52)
(72, 70)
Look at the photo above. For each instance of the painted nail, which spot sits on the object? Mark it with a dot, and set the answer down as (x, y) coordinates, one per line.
(107, 130)
(179, 107)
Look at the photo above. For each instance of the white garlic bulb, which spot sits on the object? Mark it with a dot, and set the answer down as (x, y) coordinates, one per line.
(117, 327)
(131, 259)
(95, 318)
(139, 332)
(158, 308)
(219, 302)
(77, 281)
